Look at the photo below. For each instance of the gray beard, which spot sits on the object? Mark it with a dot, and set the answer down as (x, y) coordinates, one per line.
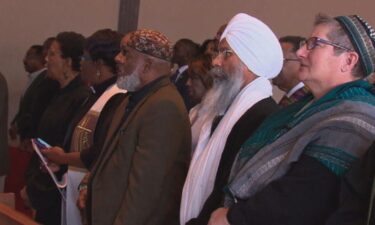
(218, 99)
(130, 82)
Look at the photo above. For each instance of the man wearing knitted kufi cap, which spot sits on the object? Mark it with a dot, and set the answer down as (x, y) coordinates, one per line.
(289, 171)
(249, 55)
(138, 177)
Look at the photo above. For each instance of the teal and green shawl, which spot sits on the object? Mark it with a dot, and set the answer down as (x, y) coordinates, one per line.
(321, 130)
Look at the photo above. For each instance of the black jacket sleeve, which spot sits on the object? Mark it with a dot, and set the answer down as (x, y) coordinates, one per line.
(355, 193)
(307, 195)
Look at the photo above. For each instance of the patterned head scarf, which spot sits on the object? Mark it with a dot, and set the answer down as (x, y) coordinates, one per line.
(362, 36)
(255, 44)
(150, 42)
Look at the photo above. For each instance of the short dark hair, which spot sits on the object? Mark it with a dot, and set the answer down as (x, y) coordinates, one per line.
(47, 44)
(105, 45)
(71, 46)
(294, 40)
(38, 50)
(191, 48)
(200, 66)
(205, 44)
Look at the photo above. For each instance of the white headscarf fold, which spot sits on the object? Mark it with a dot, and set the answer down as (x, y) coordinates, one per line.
(255, 44)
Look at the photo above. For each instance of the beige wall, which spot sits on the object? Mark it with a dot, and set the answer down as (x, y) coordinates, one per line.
(200, 19)
(27, 22)
(24, 23)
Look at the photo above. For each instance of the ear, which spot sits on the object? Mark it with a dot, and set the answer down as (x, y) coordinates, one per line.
(350, 60)
(147, 65)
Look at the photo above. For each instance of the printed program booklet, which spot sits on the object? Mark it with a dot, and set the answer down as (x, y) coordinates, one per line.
(39, 144)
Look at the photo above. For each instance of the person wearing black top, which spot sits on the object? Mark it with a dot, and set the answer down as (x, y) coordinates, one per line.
(63, 64)
(36, 97)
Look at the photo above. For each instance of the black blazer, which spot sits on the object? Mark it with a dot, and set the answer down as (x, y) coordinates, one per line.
(33, 103)
(182, 89)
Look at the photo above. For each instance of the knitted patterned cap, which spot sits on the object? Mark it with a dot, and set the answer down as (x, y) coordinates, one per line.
(150, 42)
(362, 36)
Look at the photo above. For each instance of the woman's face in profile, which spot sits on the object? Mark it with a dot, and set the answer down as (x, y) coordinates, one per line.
(56, 64)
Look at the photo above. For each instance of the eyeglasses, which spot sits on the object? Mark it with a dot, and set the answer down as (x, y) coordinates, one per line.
(53, 53)
(312, 42)
(86, 58)
(226, 53)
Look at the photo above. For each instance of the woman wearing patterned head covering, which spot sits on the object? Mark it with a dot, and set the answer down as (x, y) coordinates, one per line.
(289, 171)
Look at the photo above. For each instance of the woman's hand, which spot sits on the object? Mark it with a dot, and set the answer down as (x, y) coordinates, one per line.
(219, 217)
(55, 155)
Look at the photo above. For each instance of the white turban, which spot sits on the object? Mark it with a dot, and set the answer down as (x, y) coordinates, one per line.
(255, 44)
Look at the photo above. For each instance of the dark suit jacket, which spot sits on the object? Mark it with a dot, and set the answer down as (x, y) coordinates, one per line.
(139, 175)
(182, 89)
(4, 157)
(243, 129)
(355, 193)
(33, 103)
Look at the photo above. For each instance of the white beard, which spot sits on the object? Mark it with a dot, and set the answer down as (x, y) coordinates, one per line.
(129, 82)
(225, 89)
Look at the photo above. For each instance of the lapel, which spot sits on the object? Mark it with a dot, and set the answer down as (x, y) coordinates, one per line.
(36, 82)
(26, 98)
(119, 125)
(182, 80)
(174, 77)
(33, 86)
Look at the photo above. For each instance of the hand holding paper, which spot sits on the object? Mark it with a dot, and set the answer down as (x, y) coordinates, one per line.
(55, 155)
(38, 145)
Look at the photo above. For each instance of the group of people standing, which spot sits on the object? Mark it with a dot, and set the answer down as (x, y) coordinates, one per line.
(237, 157)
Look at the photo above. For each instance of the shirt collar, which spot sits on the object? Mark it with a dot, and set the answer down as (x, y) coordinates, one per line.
(100, 88)
(294, 89)
(139, 94)
(182, 69)
(34, 75)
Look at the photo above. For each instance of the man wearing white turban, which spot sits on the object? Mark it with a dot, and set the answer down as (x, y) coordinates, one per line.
(249, 55)
(298, 166)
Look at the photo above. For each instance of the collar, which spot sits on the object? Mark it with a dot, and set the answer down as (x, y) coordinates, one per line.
(182, 69)
(34, 75)
(100, 88)
(76, 82)
(294, 89)
(139, 94)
